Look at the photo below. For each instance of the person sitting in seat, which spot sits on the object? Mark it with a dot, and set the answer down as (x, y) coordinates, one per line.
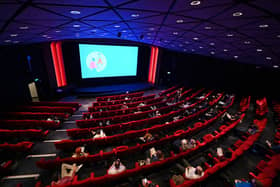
(154, 155)
(190, 171)
(148, 137)
(160, 155)
(188, 144)
(275, 148)
(186, 105)
(138, 111)
(153, 107)
(141, 104)
(227, 117)
(79, 152)
(116, 168)
(157, 113)
(148, 183)
(252, 129)
(98, 134)
(124, 106)
(68, 172)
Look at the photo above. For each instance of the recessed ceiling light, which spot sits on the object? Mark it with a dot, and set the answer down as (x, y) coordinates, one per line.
(57, 31)
(149, 34)
(193, 50)
(24, 27)
(117, 26)
(225, 50)
(236, 14)
(212, 43)
(276, 66)
(94, 30)
(195, 3)
(247, 42)
(76, 26)
(75, 12)
(49, 37)
(7, 41)
(195, 38)
(135, 15)
(278, 36)
(166, 41)
(186, 42)
(15, 42)
(175, 33)
(179, 21)
(263, 26)
(13, 35)
(212, 52)
(259, 50)
(180, 45)
(124, 31)
(185, 50)
(45, 35)
(229, 35)
(151, 29)
(268, 58)
(207, 28)
(235, 56)
(200, 47)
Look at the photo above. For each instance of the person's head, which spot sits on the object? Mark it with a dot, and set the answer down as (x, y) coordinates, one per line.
(153, 151)
(184, 142)
(117, 163)
(98, 131)
(78, 150)
(192, 141)
(160, 154)
(198, 170)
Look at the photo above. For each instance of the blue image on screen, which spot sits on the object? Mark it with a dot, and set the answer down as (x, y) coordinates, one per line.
(98, 61)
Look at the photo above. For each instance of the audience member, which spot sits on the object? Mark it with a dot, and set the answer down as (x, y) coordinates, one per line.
(79, 152)
(252, 129)
(147, 137)
(190, 171)
(98, 134)
(178, 179)
(116, 168)
(68, 172)
(275, 148)
(188, 144)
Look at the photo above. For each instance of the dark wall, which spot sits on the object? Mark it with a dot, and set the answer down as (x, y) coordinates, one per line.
(73, 69)
(201, 71)
(15, 73)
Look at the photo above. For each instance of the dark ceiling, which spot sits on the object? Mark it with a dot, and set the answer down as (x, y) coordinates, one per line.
(246, 31)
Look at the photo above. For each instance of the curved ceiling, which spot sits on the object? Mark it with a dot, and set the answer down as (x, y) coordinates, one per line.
(244, 30)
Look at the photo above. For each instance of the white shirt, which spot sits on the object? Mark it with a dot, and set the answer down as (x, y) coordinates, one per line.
(113, 170)
(190, 173)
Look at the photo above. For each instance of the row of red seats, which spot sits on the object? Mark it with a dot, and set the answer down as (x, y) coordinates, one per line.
(107, 179)
(68, 144)
(56, 103)
(240, 148)
(29, 133)
(133, 99)
(51, 109)
(34, 115)
(118, 106)
(7, 124)
(125, 150)
(121, 96)
(123, 111)
(126, 126)
(164, 92)
(95, 122)
(19, 147)
(267, 171)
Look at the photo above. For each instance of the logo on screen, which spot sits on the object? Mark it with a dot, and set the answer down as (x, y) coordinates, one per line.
(97, 61)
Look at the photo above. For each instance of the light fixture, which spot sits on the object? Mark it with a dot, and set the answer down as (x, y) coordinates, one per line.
(180, 45)
(247, 42)
(263, 26)
(151, 29)
(195, 38)
(278, 36)
(185, 50)
(175, 33)
(13, 35)
(200, 47)
(124, 31)
(230, 35)
(149, 34)
(75, 12)
(235, 56)
(276, 66)
(135, 15)
(117, 26)
(225, 50)
(24, 27)
(57, 31)
(268, 58)
(212, 43)
(259, 50)
(212, 52)
(179, 21)
(186, 42)
(45, 35)
(236, 14)
(76, 26)
(207, 28)
(15, 42)
(192, 50)
(94, 30)
(195, 3)
(7, 41)
(49, 37)
(166, 41)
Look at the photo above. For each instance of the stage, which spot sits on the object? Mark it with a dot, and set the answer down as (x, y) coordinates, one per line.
(95, 91)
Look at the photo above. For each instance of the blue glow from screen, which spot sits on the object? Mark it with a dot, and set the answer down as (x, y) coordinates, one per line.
(98, 61)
